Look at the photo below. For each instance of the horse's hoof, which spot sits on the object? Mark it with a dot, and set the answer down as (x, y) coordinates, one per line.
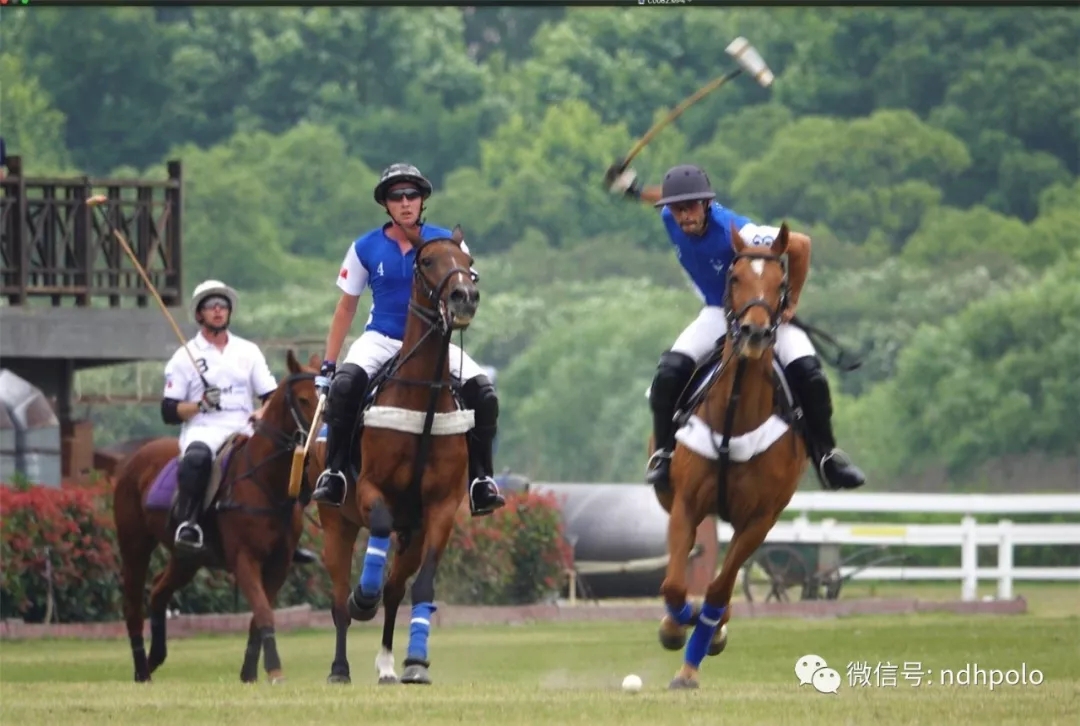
(416, 674)
(392, 680)
(249, 679)
(719, 641)
(276, 680)
(362, 611)
(678, 683)
(672, 635)
(339, 679)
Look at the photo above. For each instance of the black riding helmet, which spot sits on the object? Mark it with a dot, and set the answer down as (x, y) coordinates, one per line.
(397, 173)
(685, 183)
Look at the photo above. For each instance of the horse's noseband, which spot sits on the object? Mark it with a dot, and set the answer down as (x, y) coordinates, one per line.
(734, 331)
(433, 293)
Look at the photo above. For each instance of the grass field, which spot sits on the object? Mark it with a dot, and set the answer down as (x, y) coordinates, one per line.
(570, 673)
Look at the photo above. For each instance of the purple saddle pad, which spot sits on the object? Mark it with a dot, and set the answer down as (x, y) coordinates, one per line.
(163, 489)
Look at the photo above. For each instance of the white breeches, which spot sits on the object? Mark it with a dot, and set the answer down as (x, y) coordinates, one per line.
(701, 334)
(371, 350)
(212, 436)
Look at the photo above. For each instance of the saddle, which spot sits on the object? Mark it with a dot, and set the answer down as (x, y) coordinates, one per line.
(380, 377)
(164, 491)
(785, 405)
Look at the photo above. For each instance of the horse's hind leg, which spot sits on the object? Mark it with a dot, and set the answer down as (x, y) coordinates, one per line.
(364, 601)
(249, 671)
(403, 566)
(717, 598)
(438, 523)
(135, 555)
(175, 576)
(339, 540)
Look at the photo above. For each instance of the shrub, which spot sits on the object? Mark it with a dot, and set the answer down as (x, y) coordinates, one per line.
(517, 555)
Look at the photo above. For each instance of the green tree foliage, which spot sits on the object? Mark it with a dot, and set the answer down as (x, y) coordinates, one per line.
(930, 153)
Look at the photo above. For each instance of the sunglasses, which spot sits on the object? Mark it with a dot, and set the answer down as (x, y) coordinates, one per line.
(398, 194)
(215, 303)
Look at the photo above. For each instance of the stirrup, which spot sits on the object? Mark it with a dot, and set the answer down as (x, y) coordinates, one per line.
(322, 484)
(193, 526)
(841, 458)
(658, 455)
(497, 499)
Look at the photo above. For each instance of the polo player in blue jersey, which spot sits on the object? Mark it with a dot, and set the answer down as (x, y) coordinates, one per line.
(699, 230)
(383, 261)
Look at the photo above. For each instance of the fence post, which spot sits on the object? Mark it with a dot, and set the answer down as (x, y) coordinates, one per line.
(969, 560)
(1005, 559)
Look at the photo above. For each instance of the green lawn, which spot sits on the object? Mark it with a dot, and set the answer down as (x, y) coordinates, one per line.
(570, 673)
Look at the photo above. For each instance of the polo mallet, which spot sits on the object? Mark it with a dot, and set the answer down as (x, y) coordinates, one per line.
(299, 456)
(99, 199)
(748, 59)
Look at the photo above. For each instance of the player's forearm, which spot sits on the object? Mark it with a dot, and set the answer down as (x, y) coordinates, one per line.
(339, 327)
(798, 263)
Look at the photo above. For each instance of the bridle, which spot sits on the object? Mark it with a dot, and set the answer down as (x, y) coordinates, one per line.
(734, 330)
(284, 441)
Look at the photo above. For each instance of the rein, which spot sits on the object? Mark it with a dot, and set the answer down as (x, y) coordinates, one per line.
(283, 442)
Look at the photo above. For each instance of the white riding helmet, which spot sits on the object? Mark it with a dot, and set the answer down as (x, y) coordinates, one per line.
(210, 288)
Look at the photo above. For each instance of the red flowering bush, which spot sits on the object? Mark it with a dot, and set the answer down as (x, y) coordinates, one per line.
(64, 537)
(518, 555)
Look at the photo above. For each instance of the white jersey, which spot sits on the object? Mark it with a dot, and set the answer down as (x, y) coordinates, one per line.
(239, 370)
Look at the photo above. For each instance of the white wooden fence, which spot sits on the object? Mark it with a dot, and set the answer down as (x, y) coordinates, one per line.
(966, 534)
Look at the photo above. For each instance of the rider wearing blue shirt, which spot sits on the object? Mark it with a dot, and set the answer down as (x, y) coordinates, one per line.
(383, 260)
(699, 229)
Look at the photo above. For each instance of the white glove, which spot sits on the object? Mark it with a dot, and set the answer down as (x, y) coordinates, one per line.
(211, 400)
(623, 182)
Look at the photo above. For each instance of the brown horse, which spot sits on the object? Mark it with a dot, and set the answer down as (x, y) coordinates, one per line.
(413, 468)
(739, 454)
(252, 528)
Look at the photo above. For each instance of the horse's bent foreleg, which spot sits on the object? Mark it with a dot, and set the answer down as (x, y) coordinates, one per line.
(364, 601)
(249, 578)
(176, 575)
(404, 565)
(135, 558)
(680, 614)
(339, 542)
(438, 523)
(717, 599)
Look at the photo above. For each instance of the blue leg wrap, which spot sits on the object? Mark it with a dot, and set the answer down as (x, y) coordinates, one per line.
(685, 616)
(708, 622)
(419, 629)
(371, 576)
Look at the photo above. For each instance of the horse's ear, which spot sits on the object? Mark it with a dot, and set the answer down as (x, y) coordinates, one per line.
(779, 245)
(314, 362)
(737, 242)
(291, 362)
(458, 235)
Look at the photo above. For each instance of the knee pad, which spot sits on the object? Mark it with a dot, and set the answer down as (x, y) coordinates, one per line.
(672, 375)
(346, 393)
(197, 462)
(807, 369)
(479, 394)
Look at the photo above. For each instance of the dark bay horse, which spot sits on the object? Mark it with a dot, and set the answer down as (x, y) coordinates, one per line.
(739, 454)
(252, 528)
(413, 468)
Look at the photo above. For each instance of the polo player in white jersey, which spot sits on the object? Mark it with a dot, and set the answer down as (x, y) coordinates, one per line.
(213, 402)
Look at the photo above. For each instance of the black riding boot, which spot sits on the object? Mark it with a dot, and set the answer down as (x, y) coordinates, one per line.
(811, 388)
(484, 496)
(672, 375)
(342, 407)
(192, 478)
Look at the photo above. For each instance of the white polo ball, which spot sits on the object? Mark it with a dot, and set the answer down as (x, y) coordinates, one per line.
(631, 684)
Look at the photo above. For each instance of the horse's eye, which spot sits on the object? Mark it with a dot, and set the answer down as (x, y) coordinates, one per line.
(426, 262)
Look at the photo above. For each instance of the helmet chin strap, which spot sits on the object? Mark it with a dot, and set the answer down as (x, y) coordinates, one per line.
(216, 329)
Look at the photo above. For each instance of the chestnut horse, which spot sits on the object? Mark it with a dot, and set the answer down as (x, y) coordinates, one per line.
(413, 468)
(251, 530)
(739, 452)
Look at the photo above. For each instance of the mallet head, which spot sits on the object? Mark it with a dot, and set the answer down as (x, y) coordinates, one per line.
(750, 60)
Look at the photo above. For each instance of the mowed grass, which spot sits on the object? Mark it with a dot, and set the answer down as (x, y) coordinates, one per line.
(569, 674)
